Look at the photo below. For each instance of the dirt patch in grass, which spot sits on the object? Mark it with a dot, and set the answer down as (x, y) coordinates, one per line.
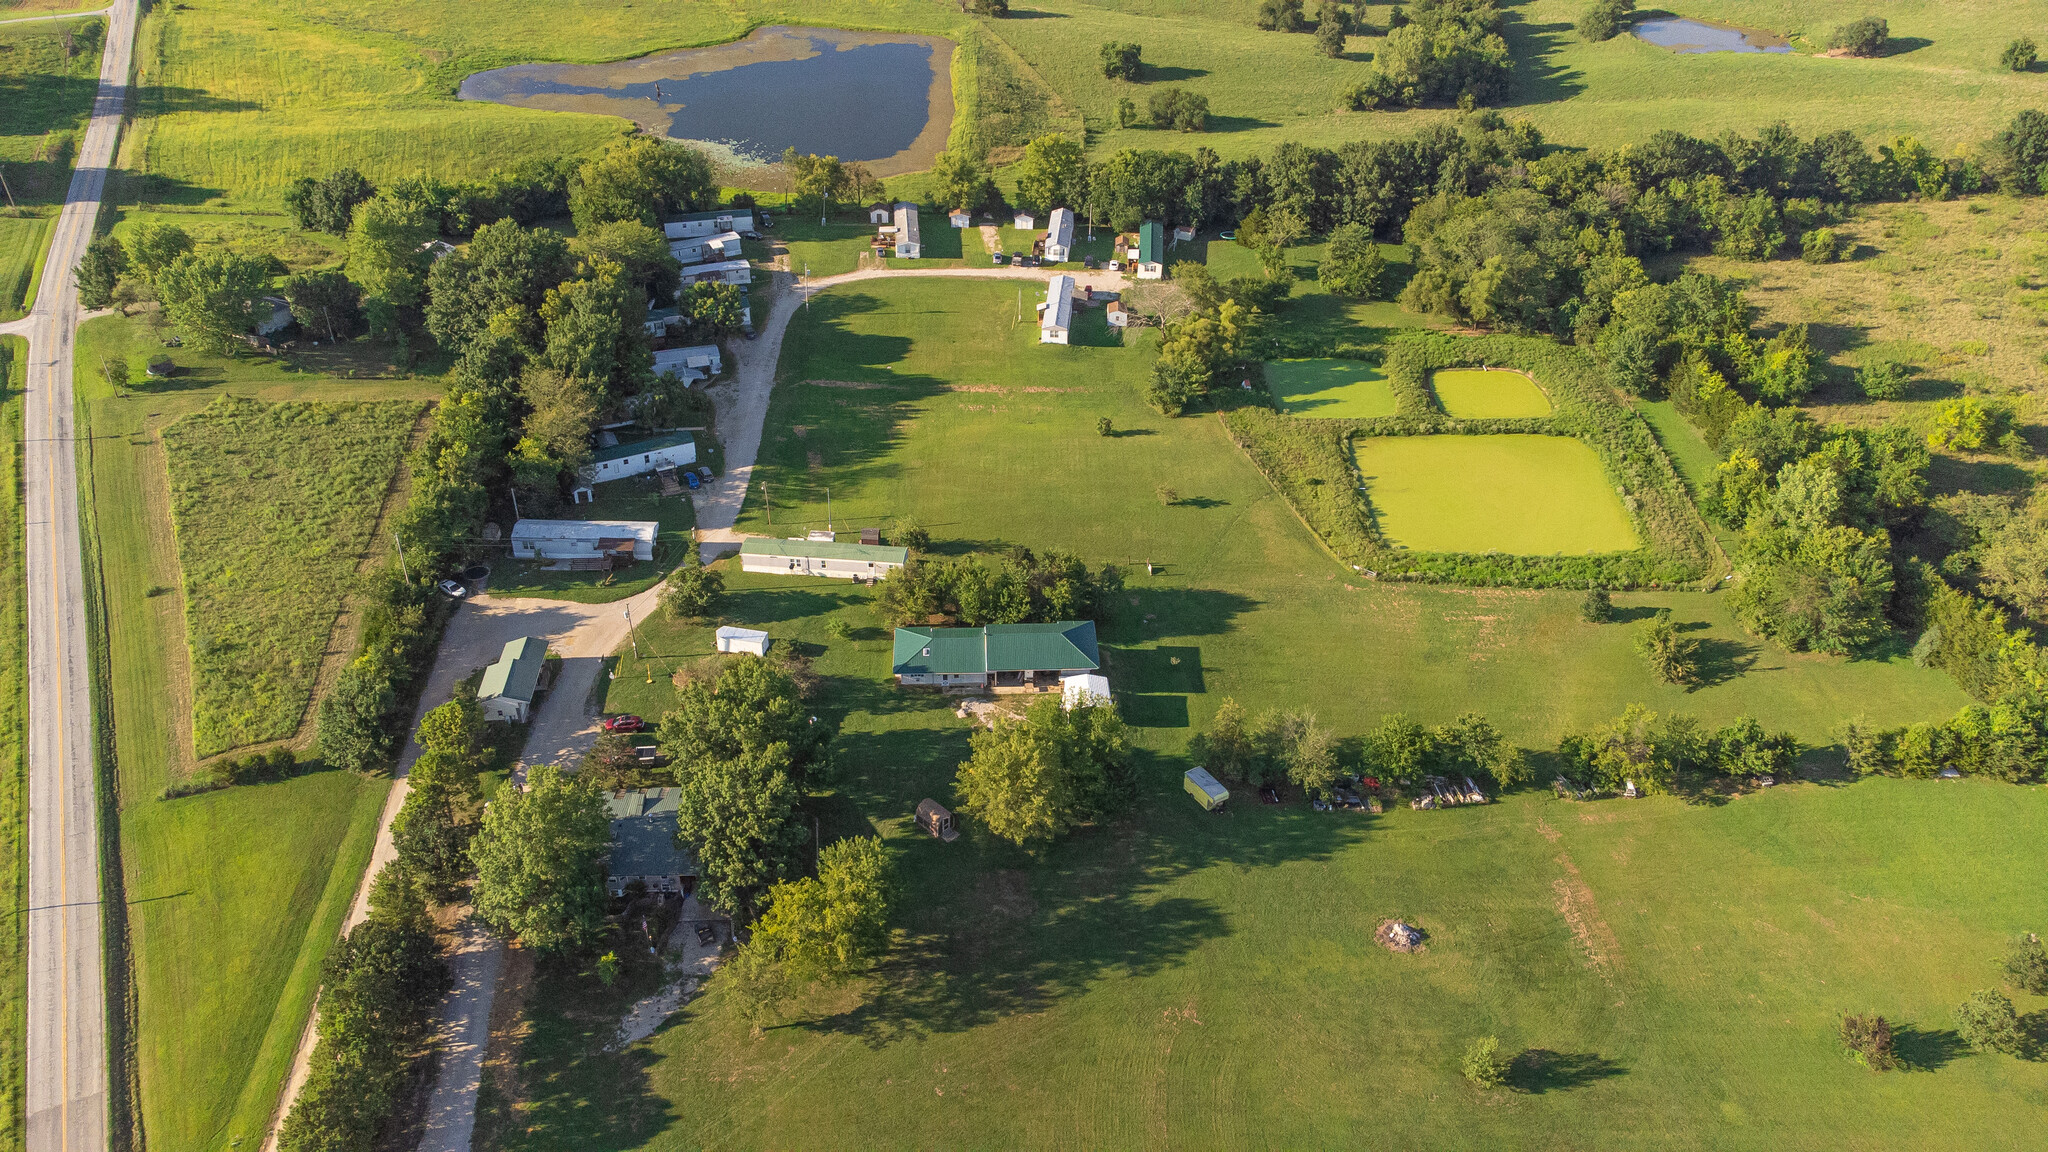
(1582, 915)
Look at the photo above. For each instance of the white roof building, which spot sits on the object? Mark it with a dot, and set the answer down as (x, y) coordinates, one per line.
(1059, 236)
(1084, 689)
(638, 457)
(584, 539)
(700, 360)
(1024, 221)
(724, 272)
(709, 223)
(1056, 315)
(696, 249)
(908, 247)
(748, 640)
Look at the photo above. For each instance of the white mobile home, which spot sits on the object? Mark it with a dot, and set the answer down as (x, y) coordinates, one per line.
(1059, 236)
(689, 363)
(697, 249)
(907, 245)
(737, 272)
(821, 558)
(672, 450)
(660, 320)
(1056, 315)
(709, 223)
(584, 539)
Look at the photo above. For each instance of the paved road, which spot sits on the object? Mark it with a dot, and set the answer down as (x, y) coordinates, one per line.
(67, 1042)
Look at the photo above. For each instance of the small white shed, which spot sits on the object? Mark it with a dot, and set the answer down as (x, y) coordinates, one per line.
(880, 212)
(960, 218)
(1024, 221)
(748, 640)
(1084, 690)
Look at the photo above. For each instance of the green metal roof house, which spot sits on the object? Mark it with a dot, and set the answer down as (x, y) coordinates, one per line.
(1151, 250)
(1033, 656)
(510, 685)
(844, 560)
(644, 842)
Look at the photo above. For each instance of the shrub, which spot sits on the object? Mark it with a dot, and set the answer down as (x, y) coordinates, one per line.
(1483, 1065)
(2026, 966)
(2019, 56)
(1869, 1040)
(1121, 62)
(1864, 37)
(1822, 246)
(1103, 426)
(1280, 16)
(1965, 424)
(1179, 109)
(1602, 19)
(1330, 38)
(1598, 607)
(692, 590)
(908, 533)
(1674, 658)
(1987, 1022)
(1884, 379)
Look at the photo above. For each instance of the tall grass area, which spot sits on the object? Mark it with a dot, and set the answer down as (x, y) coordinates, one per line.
(235, 896)
(13, 749)
(274, 506)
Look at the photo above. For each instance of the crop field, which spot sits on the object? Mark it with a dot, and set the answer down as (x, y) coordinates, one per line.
(1342, 388)
(274, 505)
(1487, 393)
(1524, 495)
(236, 895)
(13, 749)
(1207, 981)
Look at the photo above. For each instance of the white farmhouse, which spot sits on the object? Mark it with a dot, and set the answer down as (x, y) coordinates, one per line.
(1059, 236)
(584, 539)
(709, 223)
(671, 450)
(1056, 315)
(908, 246)
(821, 558)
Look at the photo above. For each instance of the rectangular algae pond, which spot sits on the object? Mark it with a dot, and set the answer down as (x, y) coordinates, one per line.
(1488, 393)
(1524, 495)
(1345, 389)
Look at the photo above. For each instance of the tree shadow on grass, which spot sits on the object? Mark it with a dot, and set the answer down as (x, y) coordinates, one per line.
(580, 1093)
(1175, 612)
(1167, 73)
(1721, 661)
(761, 606)
(1921, 1050)
(1536, 80)
(1540, 1070)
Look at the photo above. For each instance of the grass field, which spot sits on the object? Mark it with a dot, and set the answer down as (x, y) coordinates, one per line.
(1193, 981)
(13, 749)
(1487, 393)
(1524, 495)
(1335, 388)
(45, 93)
(274, 506)
(237, 895)
(21, 247)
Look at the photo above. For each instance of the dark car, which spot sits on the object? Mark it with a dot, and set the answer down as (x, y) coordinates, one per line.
(624, 723)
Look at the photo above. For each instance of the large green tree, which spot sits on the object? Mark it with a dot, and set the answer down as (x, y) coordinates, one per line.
(1033, 778)
(211, 296)
(499, 280)
(1052, 174)
(388, 256)
(751, 705)
(739, 817)
(641, 178)
(961, 181)
(833, 924)
(540, 861)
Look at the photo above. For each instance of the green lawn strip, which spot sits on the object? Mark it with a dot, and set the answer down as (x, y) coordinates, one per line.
(13, 748)
(1528, 495)
(635, 498)
(1330, 388)
(278, 846)
(274, 505)
(21, 242)
(1689, 452)
(1487, 393)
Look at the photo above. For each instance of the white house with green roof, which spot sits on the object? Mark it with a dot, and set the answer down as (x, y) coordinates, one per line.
(510, 685)
(1028, 657)
(841, 560)
(669, 450)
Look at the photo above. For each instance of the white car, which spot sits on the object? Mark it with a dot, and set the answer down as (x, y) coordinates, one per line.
(454, 590)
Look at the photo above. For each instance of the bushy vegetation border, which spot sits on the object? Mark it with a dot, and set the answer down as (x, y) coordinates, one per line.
(1310, 462)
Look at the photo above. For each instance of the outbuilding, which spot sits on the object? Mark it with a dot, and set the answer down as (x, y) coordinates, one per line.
(273, 314)
(1018, 657)
(934, 819)
(709, 223)
(584, 539)
(1056, 315)
(510, 685)
(1024, 222)
(1119, 316)
(747, 640)
(643, 845)
(1204, 788)
(639, 457)
(960, 218)
(1084, 691)
(881, 212)
(838, 559)
(908, 246)
(1059, 236)
(1151, 251)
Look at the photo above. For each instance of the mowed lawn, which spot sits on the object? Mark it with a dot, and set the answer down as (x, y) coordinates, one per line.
(1331, 388)
(235, 897)
(21, 246)
(1187, 980)
(45, 93)
(274, 506)
(1487, 393)
(1525, 495)
(13, 748)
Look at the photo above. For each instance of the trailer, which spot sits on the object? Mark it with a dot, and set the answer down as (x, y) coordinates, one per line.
(1205, 789)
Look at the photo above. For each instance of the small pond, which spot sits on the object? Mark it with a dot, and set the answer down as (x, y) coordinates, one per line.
(886, 101)
(1682, 35)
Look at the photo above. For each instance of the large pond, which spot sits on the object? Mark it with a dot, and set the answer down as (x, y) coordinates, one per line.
(1682, 35)
(885, 101)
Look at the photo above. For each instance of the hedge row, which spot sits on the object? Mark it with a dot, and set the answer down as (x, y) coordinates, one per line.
(1310, 462)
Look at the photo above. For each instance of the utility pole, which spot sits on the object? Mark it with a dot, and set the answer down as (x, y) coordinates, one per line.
(514, 489)
(9, 191)
(400, 545)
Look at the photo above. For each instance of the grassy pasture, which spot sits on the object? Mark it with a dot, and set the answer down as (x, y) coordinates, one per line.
(13, 748)
(237, 895)
(274, 505)
(1486, 393)
(1341, 388)
(1525, 495)
(21, 249)
(45, 94)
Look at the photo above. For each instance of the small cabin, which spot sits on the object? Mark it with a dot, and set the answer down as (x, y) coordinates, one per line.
(933, 818)
(1205, 789)
(1024, 222)
(881, 212)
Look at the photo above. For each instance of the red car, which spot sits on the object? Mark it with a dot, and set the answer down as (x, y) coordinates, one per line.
(624, 724)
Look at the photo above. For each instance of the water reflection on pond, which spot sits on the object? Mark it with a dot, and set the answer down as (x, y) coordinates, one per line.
(1682, 35)
(879, 99)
